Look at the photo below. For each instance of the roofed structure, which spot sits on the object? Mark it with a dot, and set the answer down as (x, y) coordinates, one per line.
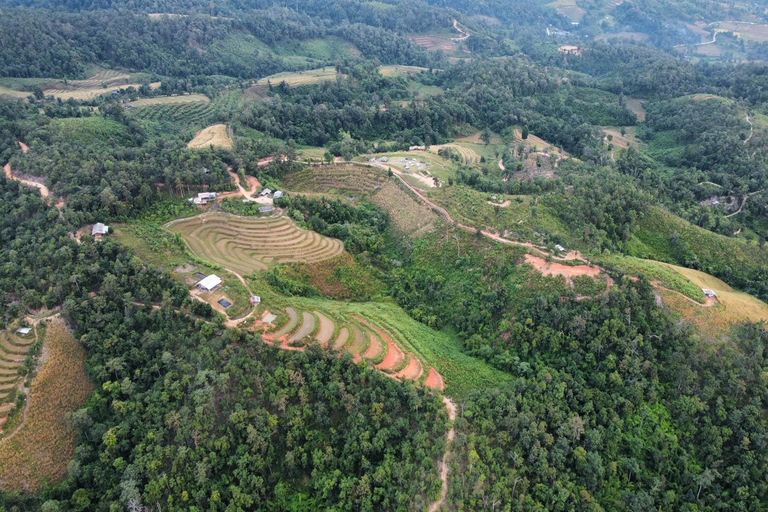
(210, 283)
(99, 229)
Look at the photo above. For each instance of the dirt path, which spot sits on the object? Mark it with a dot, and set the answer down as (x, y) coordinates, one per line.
(572, 255)
(505, 204)
(253, 182)
(442, 466)
(24, 147)
(501, 165)
(710, 183)
(464, 34)
(751, 128)
(705, 43)
(9, 176)
(743, 202)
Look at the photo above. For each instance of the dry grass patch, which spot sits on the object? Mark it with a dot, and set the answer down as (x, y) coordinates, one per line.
(407, 215)
(734, 306)
(311, 76)
(4, 91)
(636, 106)
(41, 449)
(746, 31)
(216, 135)
(400, 70)
(85, 93)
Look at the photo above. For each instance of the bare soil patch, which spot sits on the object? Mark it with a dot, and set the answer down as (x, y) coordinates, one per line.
(434, 380)
(558, 269)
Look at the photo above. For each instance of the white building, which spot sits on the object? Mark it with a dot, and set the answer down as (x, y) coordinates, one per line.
(99, 230)
(210, 283)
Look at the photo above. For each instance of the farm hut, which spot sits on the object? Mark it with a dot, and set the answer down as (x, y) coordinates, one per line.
(255, 299)
(278, 194)
(265, 193)
(559, 247)
(99, 230)
(383, 159)
(203, 198)
(209, 284)
(23, 330)
(265, 209)
(709, 293)
(417, 148)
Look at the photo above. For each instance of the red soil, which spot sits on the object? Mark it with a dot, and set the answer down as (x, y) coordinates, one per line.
(412, 371)
(558, 269)
(434, 380)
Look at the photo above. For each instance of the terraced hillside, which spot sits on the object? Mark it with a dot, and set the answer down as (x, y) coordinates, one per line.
(245, 244)
(352, 333)
(13, 353)
(336, 179)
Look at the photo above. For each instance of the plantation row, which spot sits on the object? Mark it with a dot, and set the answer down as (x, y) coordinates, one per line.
(336, 179)
(247, 245)
(362, 339)
(193, 113)
(13, 353)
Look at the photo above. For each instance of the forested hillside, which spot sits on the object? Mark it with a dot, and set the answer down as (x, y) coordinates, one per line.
(470, 255)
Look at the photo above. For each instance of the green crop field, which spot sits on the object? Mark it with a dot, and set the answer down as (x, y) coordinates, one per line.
(87, 130)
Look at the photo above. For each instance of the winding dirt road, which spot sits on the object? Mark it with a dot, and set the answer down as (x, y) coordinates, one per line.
(9, 176)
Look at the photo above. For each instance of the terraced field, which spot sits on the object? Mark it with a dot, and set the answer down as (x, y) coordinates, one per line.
(336, 179)
(364, 340)
(196, 112)
(245, 244)
(171, 100)
(469, 155)
(13, 352)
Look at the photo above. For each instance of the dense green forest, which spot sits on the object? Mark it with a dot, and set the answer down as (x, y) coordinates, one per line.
(614, 148)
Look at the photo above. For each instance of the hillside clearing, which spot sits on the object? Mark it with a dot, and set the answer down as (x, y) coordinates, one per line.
(293, 79)
(216, 135)
(40, 451)
(734, 306)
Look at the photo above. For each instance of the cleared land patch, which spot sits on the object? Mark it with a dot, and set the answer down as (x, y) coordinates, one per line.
(733, 307)
(311, 76)
(41, 449)
(398, 70)
(245, 244)
(216, 135)
(747, 31)
(408, 216)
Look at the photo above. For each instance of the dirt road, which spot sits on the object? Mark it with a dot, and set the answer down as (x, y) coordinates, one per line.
(9, 176)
